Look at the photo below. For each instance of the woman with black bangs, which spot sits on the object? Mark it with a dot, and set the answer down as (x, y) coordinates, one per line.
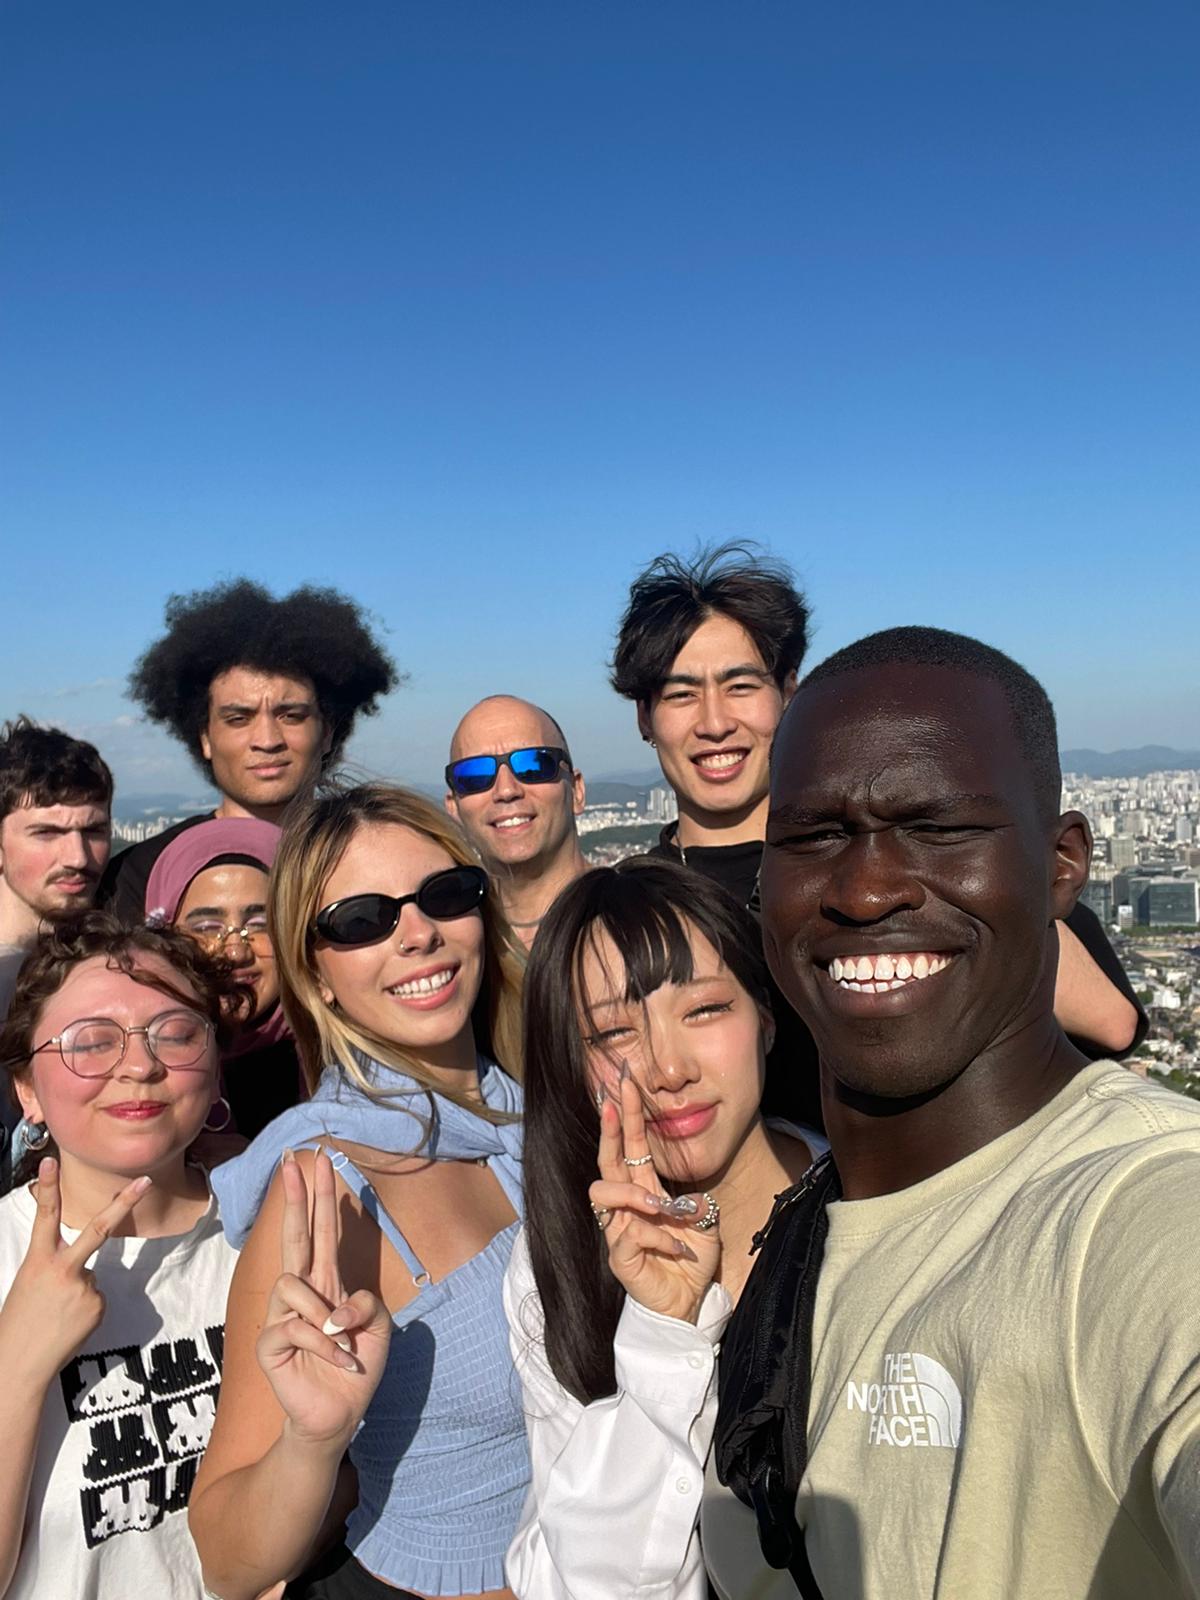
(646, 1032)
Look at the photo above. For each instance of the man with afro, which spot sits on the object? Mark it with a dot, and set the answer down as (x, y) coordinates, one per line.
(263, 692)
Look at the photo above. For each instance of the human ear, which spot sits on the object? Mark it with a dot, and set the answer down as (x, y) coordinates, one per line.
(578, 793)
(31, 1106)
(788, 687)
(1072, 859)
(643, 721)
(451, 804)
(767, 1022)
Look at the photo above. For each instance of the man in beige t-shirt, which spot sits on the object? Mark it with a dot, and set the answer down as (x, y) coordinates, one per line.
(1005, 1399)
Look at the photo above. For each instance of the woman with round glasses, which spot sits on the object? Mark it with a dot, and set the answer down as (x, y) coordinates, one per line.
(211, 883)
(113, 1267)
(402, 983)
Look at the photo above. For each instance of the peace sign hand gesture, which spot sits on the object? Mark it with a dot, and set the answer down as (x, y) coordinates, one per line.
(323, 1351)
(655, 1250)
(54, 1304)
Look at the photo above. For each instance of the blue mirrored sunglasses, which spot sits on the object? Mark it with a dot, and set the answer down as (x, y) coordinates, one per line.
(536, 763)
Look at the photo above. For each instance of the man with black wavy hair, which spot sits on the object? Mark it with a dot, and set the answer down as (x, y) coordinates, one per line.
(262, 692)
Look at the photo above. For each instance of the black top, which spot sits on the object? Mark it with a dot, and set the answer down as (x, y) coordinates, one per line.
(123, 884)
(735, 867)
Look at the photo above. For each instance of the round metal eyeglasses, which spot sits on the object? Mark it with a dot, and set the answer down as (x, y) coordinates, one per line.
(213, 941)
(94, 1047)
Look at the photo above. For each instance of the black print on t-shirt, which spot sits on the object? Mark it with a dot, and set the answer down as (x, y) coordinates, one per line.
(149, 1413)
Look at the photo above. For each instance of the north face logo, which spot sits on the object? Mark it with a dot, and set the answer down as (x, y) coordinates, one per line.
(918, 1402)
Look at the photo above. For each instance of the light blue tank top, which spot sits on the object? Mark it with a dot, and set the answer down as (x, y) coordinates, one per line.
(441, 1455)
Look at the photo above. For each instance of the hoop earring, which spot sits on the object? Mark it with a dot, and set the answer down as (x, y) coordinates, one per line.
(218, 1127)
(33, 1136)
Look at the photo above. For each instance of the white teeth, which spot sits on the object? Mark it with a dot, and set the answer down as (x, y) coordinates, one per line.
(725, 758)
(878, 974)
(419, 986)
(512, 822)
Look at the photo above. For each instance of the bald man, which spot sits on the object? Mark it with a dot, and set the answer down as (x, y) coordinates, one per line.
(511, 785)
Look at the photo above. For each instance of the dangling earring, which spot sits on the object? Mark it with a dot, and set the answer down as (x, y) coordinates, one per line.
(33, 1136)
(218, 1127)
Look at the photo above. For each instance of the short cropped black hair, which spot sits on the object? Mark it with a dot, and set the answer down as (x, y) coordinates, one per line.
(672, 597)
(312, 633)
(47, 767)
(1032, 713)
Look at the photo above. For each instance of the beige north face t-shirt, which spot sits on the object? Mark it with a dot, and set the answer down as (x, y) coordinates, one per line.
(1006, 1372)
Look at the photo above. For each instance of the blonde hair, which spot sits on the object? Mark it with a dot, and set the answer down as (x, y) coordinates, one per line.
(314, 840)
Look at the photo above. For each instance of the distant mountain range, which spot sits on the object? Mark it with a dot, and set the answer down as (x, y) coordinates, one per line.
(1129, 763)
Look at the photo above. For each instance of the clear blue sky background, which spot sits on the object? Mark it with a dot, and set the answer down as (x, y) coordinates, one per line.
(471, 308)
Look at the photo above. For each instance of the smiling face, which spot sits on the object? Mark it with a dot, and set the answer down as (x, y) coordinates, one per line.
(416, 986)
(51, 858)
(264, 739)
(515, 822)
(713, 721)
(909, 880)
(143, 1117)
(233, 895)
(697, 1051)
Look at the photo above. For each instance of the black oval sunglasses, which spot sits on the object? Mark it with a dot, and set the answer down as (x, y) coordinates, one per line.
(363, 918)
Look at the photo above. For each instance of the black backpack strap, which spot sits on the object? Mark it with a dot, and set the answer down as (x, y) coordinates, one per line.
(765, 1372)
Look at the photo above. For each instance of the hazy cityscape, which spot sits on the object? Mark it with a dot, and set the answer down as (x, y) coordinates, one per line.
(1144, 887)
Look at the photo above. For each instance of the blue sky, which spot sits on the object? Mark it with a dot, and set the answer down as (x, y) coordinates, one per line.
(471, 308)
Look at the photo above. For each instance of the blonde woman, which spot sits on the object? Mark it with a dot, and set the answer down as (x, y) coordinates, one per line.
(401, 982)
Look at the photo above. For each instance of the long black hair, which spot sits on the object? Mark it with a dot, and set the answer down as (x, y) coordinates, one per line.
(646, 907)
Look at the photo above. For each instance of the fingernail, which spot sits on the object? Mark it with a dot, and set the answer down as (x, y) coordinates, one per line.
(46, 1168)
(347, 1361)
(656, 1202)
(288, 1155)
(334, 1330)
(600, 1099)
(682, 1206)
(624, 1072)
(140, 1185)
(681, 1249)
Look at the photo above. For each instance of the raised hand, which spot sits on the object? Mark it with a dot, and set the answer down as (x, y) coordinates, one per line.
(54, 1301)
(323, 1351)
(654, 1248)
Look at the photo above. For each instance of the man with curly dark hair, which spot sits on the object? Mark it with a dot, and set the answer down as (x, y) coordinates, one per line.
(264, 694)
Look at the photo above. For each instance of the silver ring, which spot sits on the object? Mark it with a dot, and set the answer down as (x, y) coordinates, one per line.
(638, 1161)
(603, 1217)
(710, 1218)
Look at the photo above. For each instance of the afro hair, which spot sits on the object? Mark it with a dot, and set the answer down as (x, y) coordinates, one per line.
(313, 633)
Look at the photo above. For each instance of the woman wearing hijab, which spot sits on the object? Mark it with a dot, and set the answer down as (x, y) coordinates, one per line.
(211, 883)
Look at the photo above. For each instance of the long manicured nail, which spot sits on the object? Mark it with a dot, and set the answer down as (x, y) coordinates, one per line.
(334, 1330)
(347, 1361)
(682, 1206)
(140, 1185)
(600, 1098)
(681, 1249)
(288, 1155)
(624, 1072)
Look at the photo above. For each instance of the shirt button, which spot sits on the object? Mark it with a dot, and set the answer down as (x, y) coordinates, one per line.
(683, 1485)
(696, 1362)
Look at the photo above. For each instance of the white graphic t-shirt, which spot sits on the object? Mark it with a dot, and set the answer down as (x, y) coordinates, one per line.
(125, 1423)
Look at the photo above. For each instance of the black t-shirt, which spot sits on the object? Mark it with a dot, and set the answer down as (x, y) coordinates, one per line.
(123, 885)
(792, 1064)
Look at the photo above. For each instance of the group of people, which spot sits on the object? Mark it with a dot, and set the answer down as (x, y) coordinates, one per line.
(399, 1206)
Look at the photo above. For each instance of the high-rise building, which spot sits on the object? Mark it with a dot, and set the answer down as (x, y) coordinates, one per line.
(1122, 851)
(1098, 893)
(1166, 902)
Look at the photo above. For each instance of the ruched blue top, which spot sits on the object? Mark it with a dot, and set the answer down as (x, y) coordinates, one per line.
(441, 1454)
